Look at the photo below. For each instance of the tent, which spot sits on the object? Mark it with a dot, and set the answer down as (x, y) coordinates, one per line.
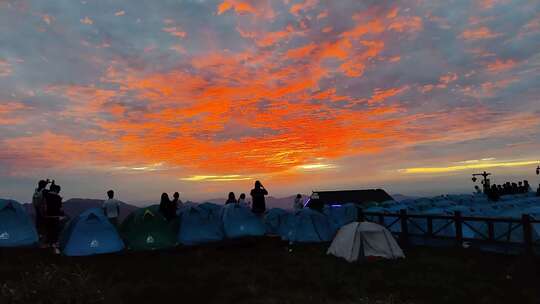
(309, 226)
(276, 221)
(90, 233)
(340, 215)
(16, 227)
(200, 224)
(239, 221)
(360, 240)
(147, 229)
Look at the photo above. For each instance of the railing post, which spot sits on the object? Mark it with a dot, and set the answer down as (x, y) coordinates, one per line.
(404, 236)
(458, 221)
(361, 216)
(527, 233)
(429, 226)
(491, 231)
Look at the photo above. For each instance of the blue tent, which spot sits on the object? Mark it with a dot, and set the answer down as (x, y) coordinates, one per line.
(310, 226)
(239, 221)
(200, 224)
(341, 215)
(276, 221)
(16, 227)
(90, 233)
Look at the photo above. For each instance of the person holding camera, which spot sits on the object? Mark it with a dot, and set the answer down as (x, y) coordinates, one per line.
(258, 205)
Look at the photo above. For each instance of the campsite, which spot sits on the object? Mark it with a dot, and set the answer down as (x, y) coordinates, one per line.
(269, 151)
(307, 256)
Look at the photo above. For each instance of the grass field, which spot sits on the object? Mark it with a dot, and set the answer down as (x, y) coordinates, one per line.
(264, 271)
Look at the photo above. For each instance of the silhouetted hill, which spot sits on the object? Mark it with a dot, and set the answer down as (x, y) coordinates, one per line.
(76, 206)
(401, 197)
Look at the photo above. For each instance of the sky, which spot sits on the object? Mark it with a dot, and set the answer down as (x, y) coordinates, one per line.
(206, 96)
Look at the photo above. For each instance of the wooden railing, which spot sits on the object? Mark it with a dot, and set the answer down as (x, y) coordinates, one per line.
(498, 230)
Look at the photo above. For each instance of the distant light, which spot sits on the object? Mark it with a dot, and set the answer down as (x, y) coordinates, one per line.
(216, 178)
(336, 206)
(307, 202)
(467, 167)
(318, 166)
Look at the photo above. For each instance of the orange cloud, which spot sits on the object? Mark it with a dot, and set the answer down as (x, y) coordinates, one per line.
(48, 19)
(10, 112)
(300, 52)
(501, 65)
(174, 31)
(479, 34)
(5, 68)
(303, 6)
(380, 95)
(120, 13)
(240, 7)
(406, 24)
(322, 14)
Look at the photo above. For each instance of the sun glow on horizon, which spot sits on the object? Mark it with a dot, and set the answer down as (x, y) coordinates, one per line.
(469, 165)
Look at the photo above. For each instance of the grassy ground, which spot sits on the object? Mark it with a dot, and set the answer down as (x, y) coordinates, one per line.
(264, 271)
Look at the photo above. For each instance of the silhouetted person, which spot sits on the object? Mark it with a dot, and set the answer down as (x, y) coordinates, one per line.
(231, 199)
(507, 188)
(165, 207)
(492, 194)
(520, 187)
(258, 205)
(177, 203)
(477, 190)
(500, 190)
(111, 208)
(40, 206)
(538, 190)
(526, 186)
(242, 200)
(55, 214)
(515, 188)
(298, 202)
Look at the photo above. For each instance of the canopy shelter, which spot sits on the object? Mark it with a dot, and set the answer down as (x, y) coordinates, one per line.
(357, 241)
(147, 229)
(90, 233)
(16, 227)
(239, 221)
(199, 224)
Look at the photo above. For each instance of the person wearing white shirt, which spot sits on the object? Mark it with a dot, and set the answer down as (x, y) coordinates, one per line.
(111, 208)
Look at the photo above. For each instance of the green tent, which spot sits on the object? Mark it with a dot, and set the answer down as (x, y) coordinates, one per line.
(147, 229)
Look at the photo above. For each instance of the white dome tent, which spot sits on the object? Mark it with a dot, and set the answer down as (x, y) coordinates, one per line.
(358, 240)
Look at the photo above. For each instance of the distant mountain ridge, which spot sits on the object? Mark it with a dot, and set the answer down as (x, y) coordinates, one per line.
(75, 206)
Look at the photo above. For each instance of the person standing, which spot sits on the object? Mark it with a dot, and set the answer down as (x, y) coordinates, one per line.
(231, 199)
(55, 214)
(298, 202)
(242, 200)
(258, 201)
(111, 208)
(176, 202)
(40, 206)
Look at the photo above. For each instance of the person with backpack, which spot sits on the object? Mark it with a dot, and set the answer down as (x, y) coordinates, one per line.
(111, 208)
(40, 206)
(55, 215)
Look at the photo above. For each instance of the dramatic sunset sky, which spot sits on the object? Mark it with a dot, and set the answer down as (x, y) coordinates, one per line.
(205, 96)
